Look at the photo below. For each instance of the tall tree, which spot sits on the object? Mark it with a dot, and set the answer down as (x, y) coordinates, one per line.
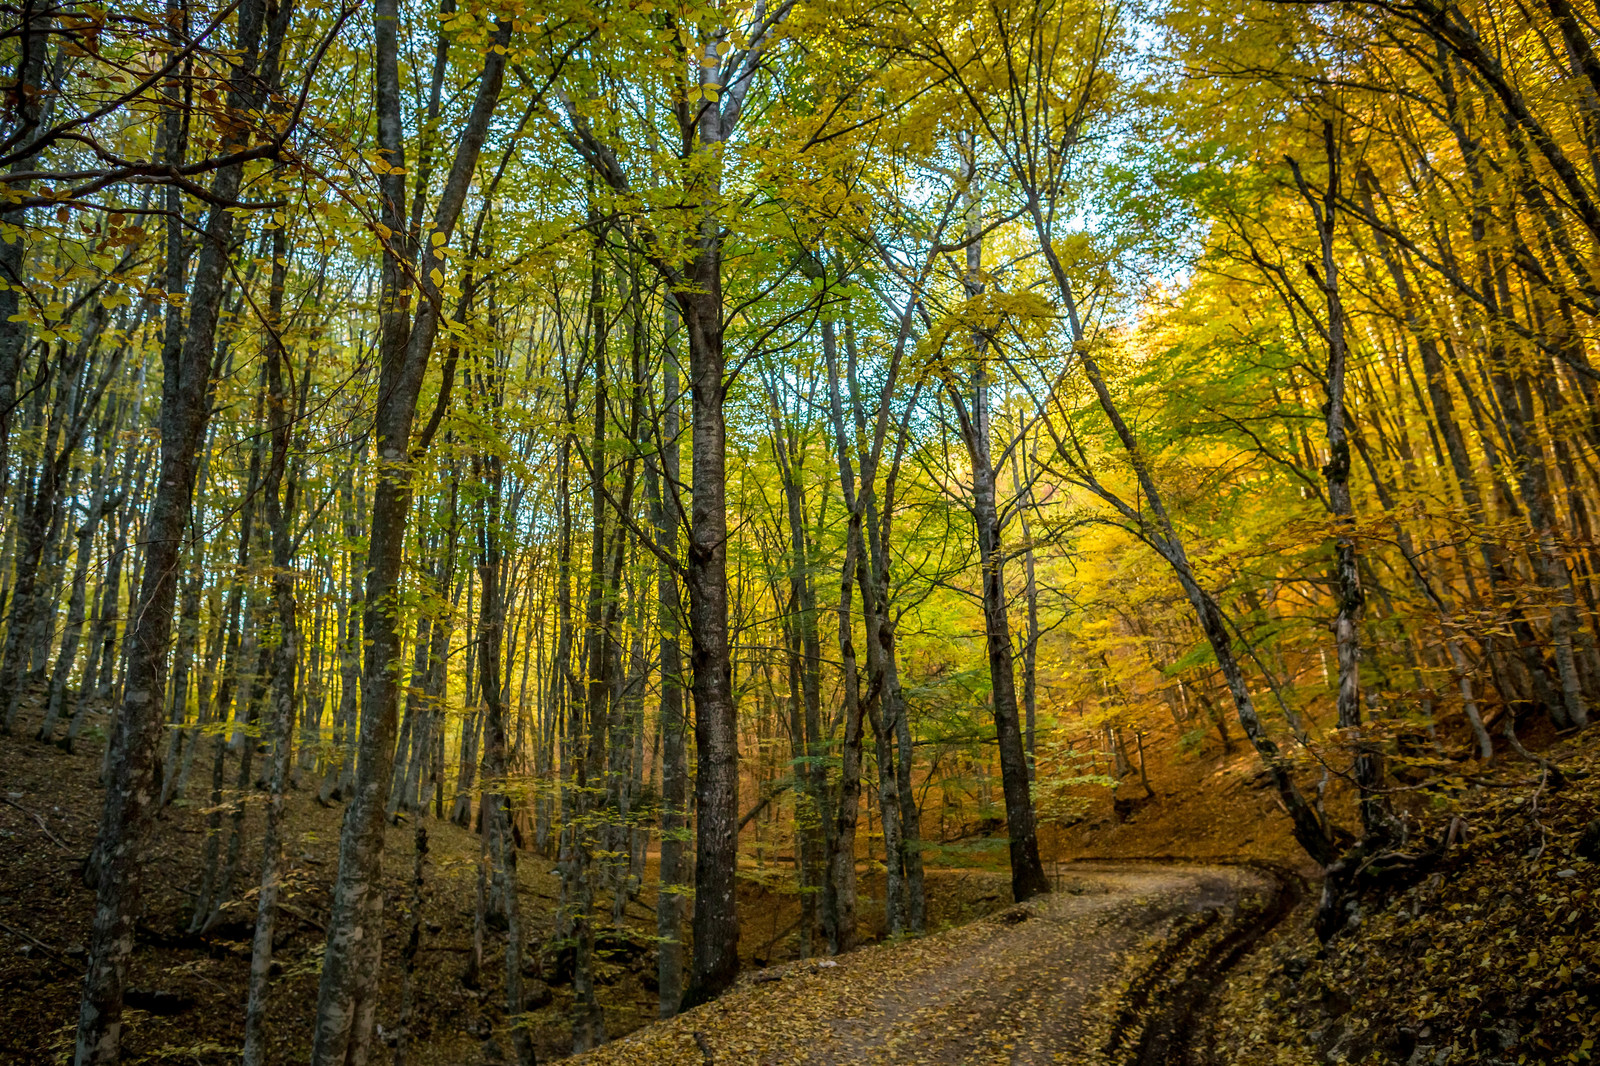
(709, 98)
(352, 962)
(133, 789)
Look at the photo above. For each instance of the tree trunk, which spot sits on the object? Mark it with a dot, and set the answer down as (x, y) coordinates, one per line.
(674, 758)
(33, 30)
(279, 494)
(497, 825)
(839, 889)
(1346, 625)
(1027, 871)
(716, 785)
(133, 790)
(352, 961)
(1030, 645)
(73, 631)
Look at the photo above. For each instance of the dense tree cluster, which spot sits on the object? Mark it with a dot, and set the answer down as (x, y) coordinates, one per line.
(607, 425)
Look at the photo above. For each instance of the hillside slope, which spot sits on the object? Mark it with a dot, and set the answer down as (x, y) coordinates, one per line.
(1490, 958)
(1493, 956)
(188, 992)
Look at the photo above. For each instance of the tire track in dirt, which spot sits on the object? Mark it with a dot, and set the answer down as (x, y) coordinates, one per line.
(1186, 972)
(1113, 968)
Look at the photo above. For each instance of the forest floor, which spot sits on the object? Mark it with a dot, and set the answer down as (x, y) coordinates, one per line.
(1078, 976)
(188, 992)
(1485, 951)
(1141, 956)
(1488, 956)
(1205, 803)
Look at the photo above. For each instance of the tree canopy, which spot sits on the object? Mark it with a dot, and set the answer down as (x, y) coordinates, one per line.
(610, 425)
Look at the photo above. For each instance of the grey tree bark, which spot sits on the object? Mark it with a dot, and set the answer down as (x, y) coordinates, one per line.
(346, 1004)
(33, 28)
(497, 822)
(279, 491)
(100, 504)
(132, 791)
(839, 890)
(674, 819)
(1346, 626)
(705, 122)
(977, 431)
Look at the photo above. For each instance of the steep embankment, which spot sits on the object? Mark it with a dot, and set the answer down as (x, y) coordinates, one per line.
(187, 992)
(1491, 957)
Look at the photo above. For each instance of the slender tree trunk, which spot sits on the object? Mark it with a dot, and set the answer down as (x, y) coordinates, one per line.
(411, 739)
(1346, 625)
(352, 961)
(674, 758)
(432, 690)
(73, 631)
(208, 675)
(806, 681)
(589, 813)
(35, 106)
(1027, 871)
(1030, 646)
(183, 738)
(133, 790)
(1310, 829)
(839, 890)
(408, 954)
(497, 825)
(696, 286)
(203, 907)
(37, 528)
(279, 493)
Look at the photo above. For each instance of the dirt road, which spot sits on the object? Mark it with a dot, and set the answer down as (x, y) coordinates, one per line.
(1111, 969)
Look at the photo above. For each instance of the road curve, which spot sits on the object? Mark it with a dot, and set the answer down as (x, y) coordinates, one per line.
(1111, 969)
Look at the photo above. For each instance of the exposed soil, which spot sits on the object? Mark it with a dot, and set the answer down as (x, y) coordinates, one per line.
(1039, 983)
(1164, 1015)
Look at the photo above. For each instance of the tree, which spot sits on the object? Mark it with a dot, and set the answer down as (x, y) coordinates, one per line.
(709, 87)
(345, 1004)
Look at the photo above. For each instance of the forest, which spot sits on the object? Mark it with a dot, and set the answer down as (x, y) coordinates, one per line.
(524, 518)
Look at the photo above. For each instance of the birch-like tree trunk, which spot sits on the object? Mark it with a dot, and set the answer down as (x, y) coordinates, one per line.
(1347, 623)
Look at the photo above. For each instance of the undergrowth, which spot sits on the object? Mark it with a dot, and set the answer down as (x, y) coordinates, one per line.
(1491, 959)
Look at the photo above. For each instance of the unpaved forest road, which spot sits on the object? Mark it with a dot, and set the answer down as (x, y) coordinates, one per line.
(1039, 990)
(1113, 968)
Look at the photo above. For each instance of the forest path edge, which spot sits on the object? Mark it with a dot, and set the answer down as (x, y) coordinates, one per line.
(1186, 973)
(1043, 982)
